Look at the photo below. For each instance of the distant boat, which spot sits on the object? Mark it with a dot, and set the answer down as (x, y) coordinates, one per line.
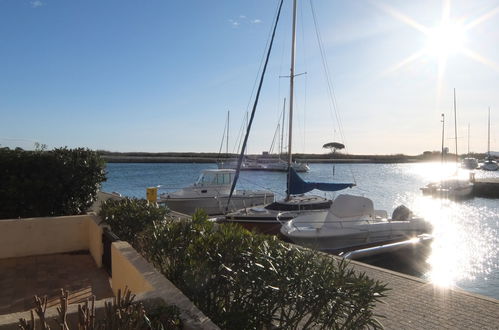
(489, 164)
(351, 223)
(469, 163)
(453, 187)
(211, 193)
(264, 163)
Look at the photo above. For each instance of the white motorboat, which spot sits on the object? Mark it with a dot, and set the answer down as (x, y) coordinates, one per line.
(211, 193)
(351, 223)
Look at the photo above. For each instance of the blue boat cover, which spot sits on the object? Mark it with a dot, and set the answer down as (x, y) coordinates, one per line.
(298, 186)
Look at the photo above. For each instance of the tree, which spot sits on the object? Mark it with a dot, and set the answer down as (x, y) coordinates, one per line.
(334, 146)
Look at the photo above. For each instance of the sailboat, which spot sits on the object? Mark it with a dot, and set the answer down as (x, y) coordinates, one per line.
(469, 163)
(489, 164)
(453, 187)
(268, 218)
(265, 162)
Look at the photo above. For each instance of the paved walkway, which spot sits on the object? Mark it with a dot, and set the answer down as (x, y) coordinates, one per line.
(415, 304)
(22, 278)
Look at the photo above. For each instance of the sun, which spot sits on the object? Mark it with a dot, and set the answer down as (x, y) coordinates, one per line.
(446, 39)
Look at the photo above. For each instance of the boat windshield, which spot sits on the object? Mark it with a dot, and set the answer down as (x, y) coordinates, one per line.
(215, 179)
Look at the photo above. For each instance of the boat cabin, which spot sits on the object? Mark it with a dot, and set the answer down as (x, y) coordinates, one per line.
(209, 178)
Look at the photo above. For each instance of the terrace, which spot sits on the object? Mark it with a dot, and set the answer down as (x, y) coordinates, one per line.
(42, 255)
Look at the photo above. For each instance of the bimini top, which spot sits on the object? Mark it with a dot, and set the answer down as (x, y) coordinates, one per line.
(298, 186)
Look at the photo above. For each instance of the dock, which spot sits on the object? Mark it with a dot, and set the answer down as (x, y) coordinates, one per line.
(413, 303)
(487, 187)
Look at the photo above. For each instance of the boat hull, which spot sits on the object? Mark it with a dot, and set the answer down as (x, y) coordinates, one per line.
(269, 219)
(216, 205)
(347, 240)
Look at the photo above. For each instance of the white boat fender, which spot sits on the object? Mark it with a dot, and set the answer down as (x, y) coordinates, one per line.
(402, 213)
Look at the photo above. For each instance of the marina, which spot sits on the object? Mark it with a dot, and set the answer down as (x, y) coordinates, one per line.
(344, 201)
(464, 252)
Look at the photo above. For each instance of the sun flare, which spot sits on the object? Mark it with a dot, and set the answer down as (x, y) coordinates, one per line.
(446, 39)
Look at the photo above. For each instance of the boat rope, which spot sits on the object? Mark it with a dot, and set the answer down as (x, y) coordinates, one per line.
(333, 106)
(243, 149)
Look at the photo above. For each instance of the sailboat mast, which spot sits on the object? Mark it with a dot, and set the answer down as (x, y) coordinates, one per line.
(282, 127)
(443, 136)
(468, 139)
(455, 125)
(227, 142)
(291, 97)
(488, 138)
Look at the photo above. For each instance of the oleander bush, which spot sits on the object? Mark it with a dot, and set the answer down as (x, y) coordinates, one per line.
(244, 280)
(48, 183)
(130, 216)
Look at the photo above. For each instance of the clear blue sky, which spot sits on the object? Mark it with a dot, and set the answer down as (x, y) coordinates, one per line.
(158, 75)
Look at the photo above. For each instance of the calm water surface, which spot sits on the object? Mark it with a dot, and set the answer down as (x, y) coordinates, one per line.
(465, 249)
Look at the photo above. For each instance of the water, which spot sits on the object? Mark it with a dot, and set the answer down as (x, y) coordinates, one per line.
(464, 252)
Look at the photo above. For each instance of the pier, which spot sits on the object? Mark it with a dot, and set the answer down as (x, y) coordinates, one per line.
(413, 303)
(487, 187)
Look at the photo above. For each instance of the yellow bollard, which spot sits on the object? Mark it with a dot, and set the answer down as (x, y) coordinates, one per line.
(152, 194)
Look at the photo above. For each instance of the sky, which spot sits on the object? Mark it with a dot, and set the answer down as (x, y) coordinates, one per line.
(160, 76)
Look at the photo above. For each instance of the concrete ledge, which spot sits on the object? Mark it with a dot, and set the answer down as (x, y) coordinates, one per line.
(130, 269)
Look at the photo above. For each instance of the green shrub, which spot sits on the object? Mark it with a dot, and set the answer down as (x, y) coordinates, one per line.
(48, 183)
(130, 216)
(243, 280)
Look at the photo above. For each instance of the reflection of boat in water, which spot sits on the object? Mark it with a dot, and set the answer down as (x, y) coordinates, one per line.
(211, 193)
(352, 222)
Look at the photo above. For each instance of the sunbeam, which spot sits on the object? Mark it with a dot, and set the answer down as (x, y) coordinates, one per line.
(479, 58)
(447, 38)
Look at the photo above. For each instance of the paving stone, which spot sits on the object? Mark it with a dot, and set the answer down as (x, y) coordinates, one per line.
(22, 278)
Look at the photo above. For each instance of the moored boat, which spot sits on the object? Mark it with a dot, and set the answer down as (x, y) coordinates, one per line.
(267, 218)
(489, 164)
(352, 222)
(449, 188)
(211, 193)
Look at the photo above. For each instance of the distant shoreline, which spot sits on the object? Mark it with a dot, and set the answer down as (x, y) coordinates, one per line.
(201, 159)
(338, 158)
(210, 160)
